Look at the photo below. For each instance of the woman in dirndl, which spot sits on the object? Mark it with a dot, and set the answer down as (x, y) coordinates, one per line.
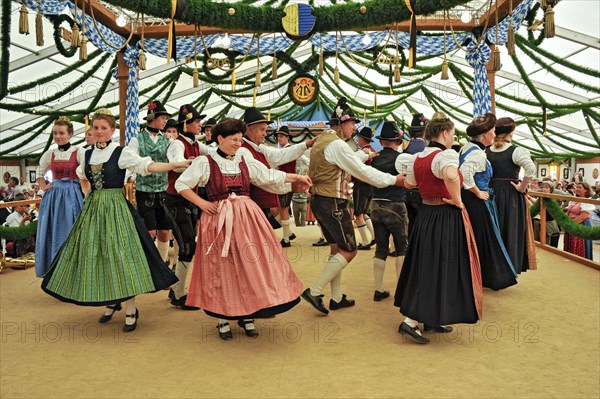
(109, 257)
(497, 271)
(440, 282)
(62, 201)
(240, 270)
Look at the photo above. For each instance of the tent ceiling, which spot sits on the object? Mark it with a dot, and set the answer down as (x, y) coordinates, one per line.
(577, 40)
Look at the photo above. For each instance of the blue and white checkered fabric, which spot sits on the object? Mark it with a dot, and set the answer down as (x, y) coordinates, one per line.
(478, 57)
(354, 43)
(132, 112)
(185, 46)
(519, 14)
(48, 7)
(268, 44)
(94, 37)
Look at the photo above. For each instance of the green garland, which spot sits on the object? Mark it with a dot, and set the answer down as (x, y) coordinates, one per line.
(5, 56)
(57, 20)
(591, 127)
(19, 145)
(530, 18)
(248, 17)
(564, 221)
(18, 233)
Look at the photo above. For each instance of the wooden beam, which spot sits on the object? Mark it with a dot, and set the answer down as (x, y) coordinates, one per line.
(490, 15)
(122, 77)
(568, 255)
(104, 16)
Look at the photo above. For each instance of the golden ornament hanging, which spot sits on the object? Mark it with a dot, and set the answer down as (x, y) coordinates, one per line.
(274, 68)
(445, 74)
(258, 79)
(397, 74)
(375, 101)
(39, 29)
(233, 81)
(510, 41)
(195, 79)
(336, 75)
(83, 49)
(549, 27)
(321, 63)
(24, 20)
(75, 36)
(497, 65)
(231, 11)
(142, 60)
(363, 10)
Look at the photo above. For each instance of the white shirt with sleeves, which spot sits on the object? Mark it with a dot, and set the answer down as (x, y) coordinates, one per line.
(521, 157)
(440, 161)
(128, 160)
(46, 158)
(279, 156)
(339, 153)
(198, 173)
(474, 162)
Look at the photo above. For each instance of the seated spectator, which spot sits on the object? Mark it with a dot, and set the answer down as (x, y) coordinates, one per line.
(20, 216)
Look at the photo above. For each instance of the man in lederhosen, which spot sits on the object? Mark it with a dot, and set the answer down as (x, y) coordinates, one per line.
(388, 209)
(151, 189)
(285, 200)
(331, 161)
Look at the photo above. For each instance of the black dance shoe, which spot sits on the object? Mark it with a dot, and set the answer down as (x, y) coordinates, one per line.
(131, 327)
(171, 293)
(344, 303)
(106, 318)
(437, 329)
(285, 244)
(248, 326)
(363, 247)
(292, 236)
(413, 333)
(180, 303)
(321, 243)
(224, 335)
(316, 301)
(379, 295)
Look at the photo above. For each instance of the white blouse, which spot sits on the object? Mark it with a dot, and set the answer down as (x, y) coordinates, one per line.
(46, 158)
(440, 161)
(520, 157)
(474, 162)
(128, 160)
(176, 151)
(198, 173)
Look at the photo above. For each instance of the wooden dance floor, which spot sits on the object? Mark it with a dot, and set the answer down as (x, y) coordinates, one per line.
(539, 339)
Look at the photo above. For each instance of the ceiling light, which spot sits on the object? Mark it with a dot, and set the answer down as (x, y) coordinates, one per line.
(466, 17)
(121, 20)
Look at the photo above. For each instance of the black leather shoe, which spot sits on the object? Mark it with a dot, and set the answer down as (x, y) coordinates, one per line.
(225, 335)
(321, 243)
(180, 303)
(437, 329)
(285, 244)
(106, 318)
(292, 236)
(131, 327)
(316, 301)
(171, 293)
(372, 243)
(413, 333)
(363, 247)
(379, 295)
(248, 326)
(344, 303)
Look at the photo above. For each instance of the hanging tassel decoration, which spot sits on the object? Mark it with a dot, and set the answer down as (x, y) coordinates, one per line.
(365, 117)
(142, 57)
(320, 56)
(544, 121)
(497, 64)
(274, 65)
(39, 26)
(445, 74)
(543, 4)
(412, 49)
(172, 36)
(142, 60)
(549, 26)
(258, 79)
(233, 81)
(83, 40)
(254, 97)
(75, 36)
(397, 74)
(196, 80)
(24, 20)
(86, 122)
(510, 41)
(83, 49)
(269, 115)
(336, 75)
(375, 101)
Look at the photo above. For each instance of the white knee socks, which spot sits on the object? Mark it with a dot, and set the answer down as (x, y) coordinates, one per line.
(369, 224)
(332, 269)
(163, 249)
(378, 272)
(362, 229)
(285, 224)
(181, 270)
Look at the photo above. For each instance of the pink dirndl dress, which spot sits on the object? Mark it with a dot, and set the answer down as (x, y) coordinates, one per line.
(240, 269)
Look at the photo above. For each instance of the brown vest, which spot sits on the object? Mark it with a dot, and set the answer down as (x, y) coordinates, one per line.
(328, 179)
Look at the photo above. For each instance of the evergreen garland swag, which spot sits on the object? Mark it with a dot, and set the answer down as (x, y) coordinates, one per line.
(18, 233)
(564, 221)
